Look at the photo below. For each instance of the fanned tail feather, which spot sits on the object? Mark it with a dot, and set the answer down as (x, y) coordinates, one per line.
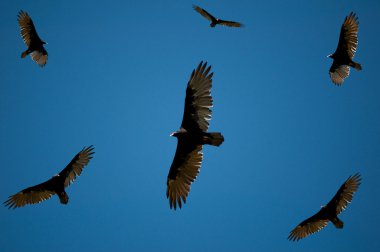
(63, 197)
(337, 223)
(357, 66)
(24, 54)
(215, 139)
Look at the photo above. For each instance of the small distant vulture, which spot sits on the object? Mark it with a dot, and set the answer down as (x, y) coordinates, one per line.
(191, 136)
(32, 40)
(55, 185)
(328, 212)
(215, 21)
(345, 52)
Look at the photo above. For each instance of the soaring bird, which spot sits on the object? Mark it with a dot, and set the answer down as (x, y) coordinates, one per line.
(328, 212)
(347, 45)
(191, 136)
(55, 185)
(215, 21)
(32, 40)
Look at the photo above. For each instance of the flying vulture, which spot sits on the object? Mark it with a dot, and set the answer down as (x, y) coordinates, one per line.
(55, 185)
(215, 21)
(191, 136)
(328, 212)
(32, 40)
(345, 52)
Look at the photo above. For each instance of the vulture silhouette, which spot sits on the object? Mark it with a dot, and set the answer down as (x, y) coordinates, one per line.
(32, 40)
(328, 212)
(191, 136)
(345, 52)
(55, 185)
(215, 21)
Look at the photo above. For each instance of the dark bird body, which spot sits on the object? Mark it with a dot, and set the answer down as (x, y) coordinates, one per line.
(215, 21)
(345, 52)
(192, 136)
(55, 185)
(328, 212)
(32, 40)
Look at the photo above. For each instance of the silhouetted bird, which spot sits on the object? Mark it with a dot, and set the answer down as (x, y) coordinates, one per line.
(347, 45)
(32, 40)
(191, 136)
(328, 212)
(215, 21)
(55, 185)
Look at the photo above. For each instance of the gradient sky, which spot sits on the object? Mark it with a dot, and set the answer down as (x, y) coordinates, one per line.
(116, 78)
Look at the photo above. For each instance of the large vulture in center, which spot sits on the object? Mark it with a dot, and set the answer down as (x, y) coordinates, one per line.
(55, 185)
(328, 212)
(345, 52)
(191, 136)
(215, 21)
(32, 40)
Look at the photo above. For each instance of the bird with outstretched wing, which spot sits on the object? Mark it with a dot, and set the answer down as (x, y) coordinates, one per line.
(55, 185)
(32, 40)
(191, 136)
(215, 21)
(345, 52)
(328, 212)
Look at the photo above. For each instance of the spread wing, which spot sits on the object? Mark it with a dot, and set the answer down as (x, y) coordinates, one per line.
(28, 31)
(183, 171)
(338, 73)
(230, 23)
(40, 56)
(32, 195)
(75, 167)
(345, 194)
(204, 13)
(309, 226)
(348, 39)
(198, 101)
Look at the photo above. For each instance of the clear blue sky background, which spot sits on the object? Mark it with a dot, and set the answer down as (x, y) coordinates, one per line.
(116, 78)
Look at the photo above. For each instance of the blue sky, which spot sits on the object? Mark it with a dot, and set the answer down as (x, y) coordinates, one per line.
(116, 78)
